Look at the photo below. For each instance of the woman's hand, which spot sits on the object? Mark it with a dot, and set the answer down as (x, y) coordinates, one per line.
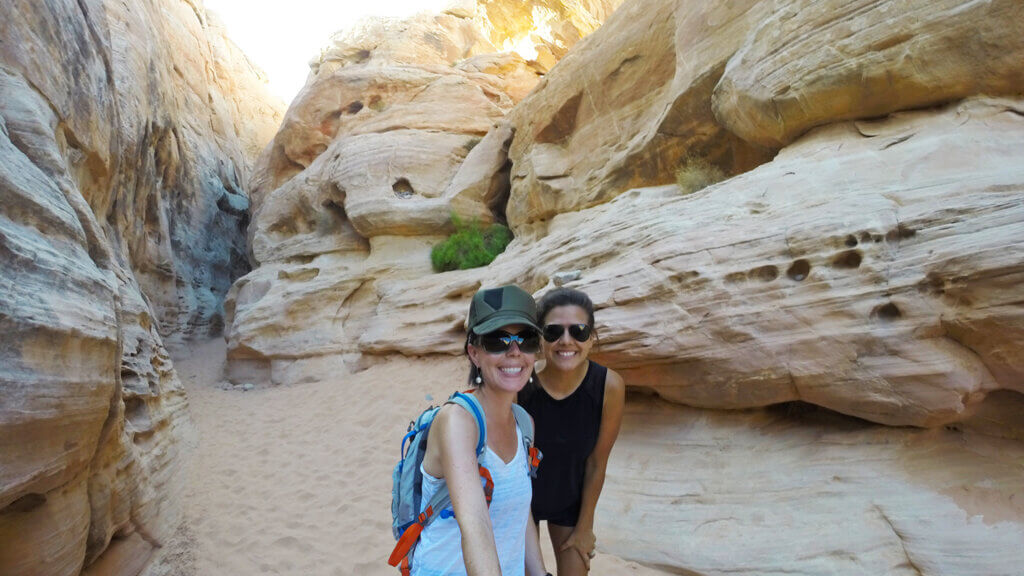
(582, 540)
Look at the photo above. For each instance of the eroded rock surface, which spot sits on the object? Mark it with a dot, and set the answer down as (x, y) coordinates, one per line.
(126, 135)
(628, 105)
(890, 297)
(733, 82)
(798, 490)
(401, 124)
(811, 64)
(455, 73)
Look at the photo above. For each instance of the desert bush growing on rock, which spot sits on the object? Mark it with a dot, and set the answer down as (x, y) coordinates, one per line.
(470, 246)
(696, 173)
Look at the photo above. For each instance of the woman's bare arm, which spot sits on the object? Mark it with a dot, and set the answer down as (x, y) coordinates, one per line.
(457, 436)
(534, 559)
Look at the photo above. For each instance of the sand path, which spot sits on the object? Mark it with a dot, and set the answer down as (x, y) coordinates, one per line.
(297, 480)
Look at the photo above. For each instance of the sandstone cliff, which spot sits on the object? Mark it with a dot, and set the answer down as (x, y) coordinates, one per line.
(400, 124)
(127, 132)
(865, 258)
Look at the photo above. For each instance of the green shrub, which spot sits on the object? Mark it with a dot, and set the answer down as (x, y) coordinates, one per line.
(470, 246)
(697, 173)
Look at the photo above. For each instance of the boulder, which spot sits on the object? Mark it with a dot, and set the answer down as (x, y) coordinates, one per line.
(812, 64)
(627, 107)
(390, 140)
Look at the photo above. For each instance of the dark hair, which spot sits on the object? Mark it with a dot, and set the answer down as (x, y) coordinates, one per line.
(565, 297)
(474, 371)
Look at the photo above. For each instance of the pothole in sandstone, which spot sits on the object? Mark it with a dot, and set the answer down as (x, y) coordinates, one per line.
(403, 189)
(799, 270)
(887, 312)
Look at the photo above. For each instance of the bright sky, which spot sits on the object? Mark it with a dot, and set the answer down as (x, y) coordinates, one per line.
(282, 36)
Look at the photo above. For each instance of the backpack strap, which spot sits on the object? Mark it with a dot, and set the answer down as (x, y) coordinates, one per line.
(525, 424)
(468, 401)
(472, 405)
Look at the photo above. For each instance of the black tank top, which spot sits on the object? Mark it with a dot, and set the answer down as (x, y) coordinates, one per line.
(566, 433)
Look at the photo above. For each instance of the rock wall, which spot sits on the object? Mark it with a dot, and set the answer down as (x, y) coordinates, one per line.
(795, 489)
(862, 259)
(126, 135)
(793, 281)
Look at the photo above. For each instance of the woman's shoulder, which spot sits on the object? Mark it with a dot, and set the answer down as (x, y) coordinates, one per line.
(454, 420)
(613, 380)
(614, 388)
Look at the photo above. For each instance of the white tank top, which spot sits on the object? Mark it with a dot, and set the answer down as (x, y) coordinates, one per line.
(439, 552)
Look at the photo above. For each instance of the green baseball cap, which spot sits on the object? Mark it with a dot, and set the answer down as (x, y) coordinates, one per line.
(496, 307)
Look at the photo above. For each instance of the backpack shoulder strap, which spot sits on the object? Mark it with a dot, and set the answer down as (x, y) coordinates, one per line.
(525, 424)
(472, 405)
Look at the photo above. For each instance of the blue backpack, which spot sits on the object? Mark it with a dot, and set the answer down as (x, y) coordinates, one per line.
(407, 480)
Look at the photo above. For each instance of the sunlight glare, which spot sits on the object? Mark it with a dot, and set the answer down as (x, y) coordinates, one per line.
(526, 45)
(282, 37)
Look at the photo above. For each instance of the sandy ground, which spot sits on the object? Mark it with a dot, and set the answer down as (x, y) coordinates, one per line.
(297, 480)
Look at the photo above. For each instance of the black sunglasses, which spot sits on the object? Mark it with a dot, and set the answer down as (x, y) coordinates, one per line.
(581, 332)
(500, 342)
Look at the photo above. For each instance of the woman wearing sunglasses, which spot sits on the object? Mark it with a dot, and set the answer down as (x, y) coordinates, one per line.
(577, 409)
(500, 539)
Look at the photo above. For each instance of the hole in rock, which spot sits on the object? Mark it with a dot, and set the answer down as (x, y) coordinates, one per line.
(334, 209)
(799, 270)
(887, 311)
(216, 325)
(26, 503)
(765, 273)
(848, 259)
(137, 412)
(932, 284)
(900, 232)
(361, 56)
(812, 414)
(354, 107)
(403, 189)
(851, 241)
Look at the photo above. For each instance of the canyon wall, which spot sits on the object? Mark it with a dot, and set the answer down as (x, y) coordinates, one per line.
(861, 264)
(127, 133)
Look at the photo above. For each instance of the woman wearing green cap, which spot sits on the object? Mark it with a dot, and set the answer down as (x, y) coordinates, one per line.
(500, 539)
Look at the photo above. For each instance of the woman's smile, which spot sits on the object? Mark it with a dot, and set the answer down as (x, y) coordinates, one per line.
(567, 354)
